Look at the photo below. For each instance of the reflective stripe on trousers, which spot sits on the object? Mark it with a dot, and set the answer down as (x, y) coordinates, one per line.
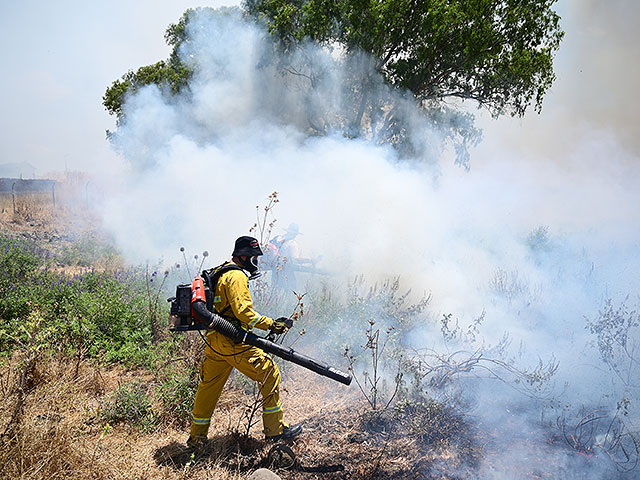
(214, 372)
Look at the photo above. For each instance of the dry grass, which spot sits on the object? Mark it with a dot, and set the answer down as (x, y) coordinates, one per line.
(34, 216)
(61, 229)
(59, 433)
(43, 441)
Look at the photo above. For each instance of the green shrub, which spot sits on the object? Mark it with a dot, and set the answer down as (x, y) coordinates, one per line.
(101, 314)
(18, 259)
(128, 404)
(177, 394)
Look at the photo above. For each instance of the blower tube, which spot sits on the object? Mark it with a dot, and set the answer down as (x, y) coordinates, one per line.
(240, 335)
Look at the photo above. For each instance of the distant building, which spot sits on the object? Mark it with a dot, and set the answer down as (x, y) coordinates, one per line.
(17, 170)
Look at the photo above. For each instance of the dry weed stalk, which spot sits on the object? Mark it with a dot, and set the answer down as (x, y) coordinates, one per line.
(370, 384)
(442, 369)
(29, 353)
(264, 226)
(599, 432)
(153, 296)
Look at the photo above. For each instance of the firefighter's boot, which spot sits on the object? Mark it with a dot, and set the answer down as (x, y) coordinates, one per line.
(197, 443)
(288, 433)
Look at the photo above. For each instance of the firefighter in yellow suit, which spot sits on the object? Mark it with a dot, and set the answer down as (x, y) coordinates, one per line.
(232, 300)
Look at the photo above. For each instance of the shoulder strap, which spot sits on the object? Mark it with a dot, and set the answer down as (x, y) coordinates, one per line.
(212, 275)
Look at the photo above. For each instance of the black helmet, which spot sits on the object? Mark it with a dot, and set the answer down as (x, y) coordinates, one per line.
(246, 246)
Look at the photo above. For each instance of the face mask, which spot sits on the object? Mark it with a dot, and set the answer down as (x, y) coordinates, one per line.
(251, 265)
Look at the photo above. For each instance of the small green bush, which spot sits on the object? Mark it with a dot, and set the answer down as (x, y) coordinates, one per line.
(18, 259)
(177, 394)
(128, 404)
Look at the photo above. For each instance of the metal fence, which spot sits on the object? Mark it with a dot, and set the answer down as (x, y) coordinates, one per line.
(15, 190)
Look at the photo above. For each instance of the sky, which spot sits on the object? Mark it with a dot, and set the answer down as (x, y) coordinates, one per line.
(60, 57)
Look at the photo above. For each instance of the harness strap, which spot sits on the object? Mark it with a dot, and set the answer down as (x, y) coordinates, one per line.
(212, 276)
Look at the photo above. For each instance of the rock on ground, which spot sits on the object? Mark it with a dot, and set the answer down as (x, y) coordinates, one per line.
(263, 474)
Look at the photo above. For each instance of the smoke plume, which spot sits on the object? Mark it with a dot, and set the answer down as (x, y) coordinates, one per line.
(533, 244)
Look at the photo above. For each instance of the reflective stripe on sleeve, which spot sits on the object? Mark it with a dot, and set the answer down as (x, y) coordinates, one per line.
(255, 320)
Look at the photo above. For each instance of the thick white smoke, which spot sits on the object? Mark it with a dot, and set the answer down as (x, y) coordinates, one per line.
(537, 245)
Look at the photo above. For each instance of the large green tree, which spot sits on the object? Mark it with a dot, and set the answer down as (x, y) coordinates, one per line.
(435, 54)
(498, 53)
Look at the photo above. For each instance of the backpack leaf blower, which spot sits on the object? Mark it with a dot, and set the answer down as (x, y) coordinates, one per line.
(196, 315)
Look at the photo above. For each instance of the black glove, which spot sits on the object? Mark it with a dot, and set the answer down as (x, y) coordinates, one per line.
(281, 325)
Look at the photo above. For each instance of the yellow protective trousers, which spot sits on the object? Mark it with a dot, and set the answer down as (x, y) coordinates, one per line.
(222, 356)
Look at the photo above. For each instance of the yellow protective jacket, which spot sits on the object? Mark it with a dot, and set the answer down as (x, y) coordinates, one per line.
(232, 300)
